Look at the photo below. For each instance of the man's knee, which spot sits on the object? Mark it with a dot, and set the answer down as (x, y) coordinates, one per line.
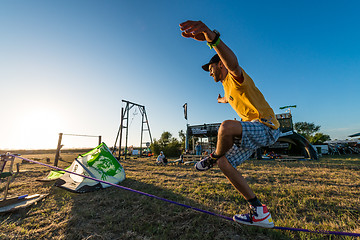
(230, 128)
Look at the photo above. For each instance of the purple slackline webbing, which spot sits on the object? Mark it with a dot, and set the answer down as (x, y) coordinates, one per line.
(187, 206)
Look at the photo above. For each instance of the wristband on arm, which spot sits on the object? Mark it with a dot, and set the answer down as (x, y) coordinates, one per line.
(216, 40)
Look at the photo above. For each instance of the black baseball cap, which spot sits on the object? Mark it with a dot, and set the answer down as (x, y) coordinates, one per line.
(214, 59)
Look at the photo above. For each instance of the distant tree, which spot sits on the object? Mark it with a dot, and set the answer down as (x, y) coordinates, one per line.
(310, 132)
(155, 147)
(319, 138)
(182, 137)
(173, 149)
(165, 138)
(306, 129)
(169, 145)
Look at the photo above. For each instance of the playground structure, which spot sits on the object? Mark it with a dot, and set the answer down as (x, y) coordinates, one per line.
(289, 143)
(124, 124)
(59, 146)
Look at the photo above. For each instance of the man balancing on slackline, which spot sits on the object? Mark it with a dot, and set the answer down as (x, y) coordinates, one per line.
(237, 140)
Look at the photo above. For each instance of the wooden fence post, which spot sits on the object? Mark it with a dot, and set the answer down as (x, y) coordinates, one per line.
(57, 156)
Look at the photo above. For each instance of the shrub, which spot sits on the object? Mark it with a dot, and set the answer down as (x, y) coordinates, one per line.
(169, 145)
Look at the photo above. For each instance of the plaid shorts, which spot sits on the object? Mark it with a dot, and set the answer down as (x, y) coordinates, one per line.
(254, 135)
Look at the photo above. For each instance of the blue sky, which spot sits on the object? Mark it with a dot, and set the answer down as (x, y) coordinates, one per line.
(65, 66)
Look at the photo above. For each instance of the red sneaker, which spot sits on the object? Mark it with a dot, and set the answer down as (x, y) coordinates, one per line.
(258, 216)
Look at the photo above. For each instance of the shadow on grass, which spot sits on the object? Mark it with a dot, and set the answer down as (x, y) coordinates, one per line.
(120, 214)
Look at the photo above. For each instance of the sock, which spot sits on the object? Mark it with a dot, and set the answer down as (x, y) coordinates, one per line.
(255, 202)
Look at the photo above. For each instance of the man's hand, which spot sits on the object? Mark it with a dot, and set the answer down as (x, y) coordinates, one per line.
(222, 99)
(197, 30)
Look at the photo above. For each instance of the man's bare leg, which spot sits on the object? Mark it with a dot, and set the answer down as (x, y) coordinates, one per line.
(235, 177)
(227, 131)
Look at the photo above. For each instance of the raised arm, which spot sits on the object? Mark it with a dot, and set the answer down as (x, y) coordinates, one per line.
(199, 31)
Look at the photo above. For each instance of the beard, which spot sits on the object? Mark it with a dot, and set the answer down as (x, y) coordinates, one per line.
(217, 77)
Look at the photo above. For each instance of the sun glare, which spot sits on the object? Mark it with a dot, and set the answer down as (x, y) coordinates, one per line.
(38, 128)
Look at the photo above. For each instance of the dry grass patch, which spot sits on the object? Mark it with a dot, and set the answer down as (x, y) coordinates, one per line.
(318, 195)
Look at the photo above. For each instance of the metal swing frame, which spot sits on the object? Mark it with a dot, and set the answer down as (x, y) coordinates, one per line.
(124, 124)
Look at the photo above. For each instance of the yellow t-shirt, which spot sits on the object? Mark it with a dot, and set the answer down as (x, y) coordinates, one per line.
(248, 102)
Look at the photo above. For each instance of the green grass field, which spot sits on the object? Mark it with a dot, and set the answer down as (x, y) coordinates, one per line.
(316, 195)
